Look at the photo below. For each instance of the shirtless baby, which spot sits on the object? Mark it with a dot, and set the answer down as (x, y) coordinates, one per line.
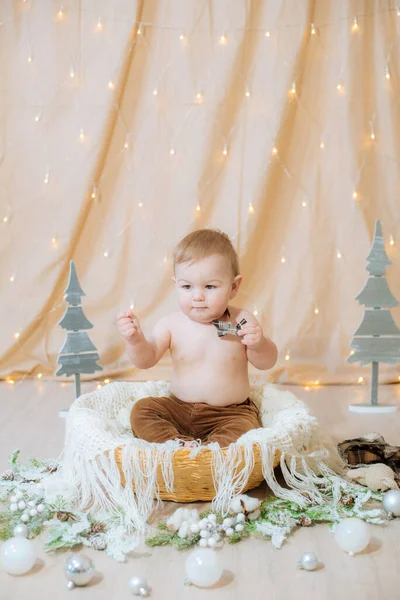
(209, 392)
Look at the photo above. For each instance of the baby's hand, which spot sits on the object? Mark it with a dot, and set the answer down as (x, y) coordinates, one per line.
(252, 334)
(129, 326)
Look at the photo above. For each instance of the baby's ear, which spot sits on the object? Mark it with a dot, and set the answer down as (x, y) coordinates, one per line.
(173, 279)
(237, 281)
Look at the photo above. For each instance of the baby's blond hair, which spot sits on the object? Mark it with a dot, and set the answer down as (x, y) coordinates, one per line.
(203, 243)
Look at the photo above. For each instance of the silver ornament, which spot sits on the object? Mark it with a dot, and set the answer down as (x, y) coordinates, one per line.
(79, 570)
(308, 561)
(139, 586)
(21, 530)
(391, 503)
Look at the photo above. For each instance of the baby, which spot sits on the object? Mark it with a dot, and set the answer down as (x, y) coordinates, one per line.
(209, 392)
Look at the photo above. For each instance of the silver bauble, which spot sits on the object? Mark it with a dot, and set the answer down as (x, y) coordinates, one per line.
(308, 561)
(391, 503)
(79, 570)
(21, 530)
(139, 586)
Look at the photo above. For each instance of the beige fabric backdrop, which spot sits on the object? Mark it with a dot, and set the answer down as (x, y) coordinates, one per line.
(125, 125)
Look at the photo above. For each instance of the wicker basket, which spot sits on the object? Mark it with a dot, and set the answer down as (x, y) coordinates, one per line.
(193, 478)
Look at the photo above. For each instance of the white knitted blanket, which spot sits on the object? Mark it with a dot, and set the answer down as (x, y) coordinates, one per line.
(98, 423)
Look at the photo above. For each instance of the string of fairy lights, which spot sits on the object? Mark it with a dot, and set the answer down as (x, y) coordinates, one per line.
(223, 39)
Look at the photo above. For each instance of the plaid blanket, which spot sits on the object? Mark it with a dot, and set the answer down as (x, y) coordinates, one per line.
(368, 449)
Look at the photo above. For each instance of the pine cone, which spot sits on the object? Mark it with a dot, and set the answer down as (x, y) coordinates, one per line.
(98, 527)
(346, 500)
(8, 475)
(52, 469)
(98, 542)
(62, 516)
(304, 521)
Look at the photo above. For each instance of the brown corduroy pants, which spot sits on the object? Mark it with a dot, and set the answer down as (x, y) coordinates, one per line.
(168, 418)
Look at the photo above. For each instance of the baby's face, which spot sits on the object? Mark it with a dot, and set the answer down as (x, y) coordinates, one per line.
(205, 287)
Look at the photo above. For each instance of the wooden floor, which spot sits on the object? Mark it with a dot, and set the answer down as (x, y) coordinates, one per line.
(254, 569)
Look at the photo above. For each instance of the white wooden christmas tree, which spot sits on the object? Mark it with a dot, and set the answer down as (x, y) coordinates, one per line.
(78, 355)
(377, 338)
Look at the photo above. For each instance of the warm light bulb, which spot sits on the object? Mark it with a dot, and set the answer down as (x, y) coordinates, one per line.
(304, 204)
(316, 311)
(37, 118)
(12, 278)
(255, 312)
(274, 150)
(132, 306)
(99, 24)
(72, 72)
(339, 255)
(199, 97)
(10, 381)
(198, 208)
(94, 193)
(322, 145)
(268, 34)
(287, 357)
(46, 178)
(139, 31)
(360, 379)
(313, 30)
(30, 58)
(316, 382)
(387, 73)
(225, 150)
(126, 145)
(39, 375)
(60, 13)
(307, 388)
(165, 260)
(293, 90)
(16, 335)
(182, 37)
(222, 39)
(398, 11)
(98, 386)
(140, 204)
(352, 352)
(106, 381)
(54, 242)
(391, 241)
(172, 151)
(155, 92)
(251, 208)
(111, 84)
(283, 259)
(82, 135)
(355, 24)
(105, 254)
(247, 93)
(355, 195)
(372, 135)
(5, 219)
(339, 87)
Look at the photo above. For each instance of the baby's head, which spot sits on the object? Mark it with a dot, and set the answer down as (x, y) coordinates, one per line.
(206, 274)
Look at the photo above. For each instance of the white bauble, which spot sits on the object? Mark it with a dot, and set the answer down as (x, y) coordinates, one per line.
(21, 530)
(13, 499)
(13, 507)
(352, 535)
(194, 528)
(40, 508)
(239, 527)
(21, 505)
(228, 522)
(33, 512)
(203, 568)
(25, 517)
(212, 518)
(19, 495)
(211, 542)
(391, 502)
(203, 542)
(240, 518)
(230, 531)
(17, 555)
(204, 533)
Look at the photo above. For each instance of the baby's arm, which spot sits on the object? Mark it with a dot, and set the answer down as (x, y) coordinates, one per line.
(261, 352)
(144, 353)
